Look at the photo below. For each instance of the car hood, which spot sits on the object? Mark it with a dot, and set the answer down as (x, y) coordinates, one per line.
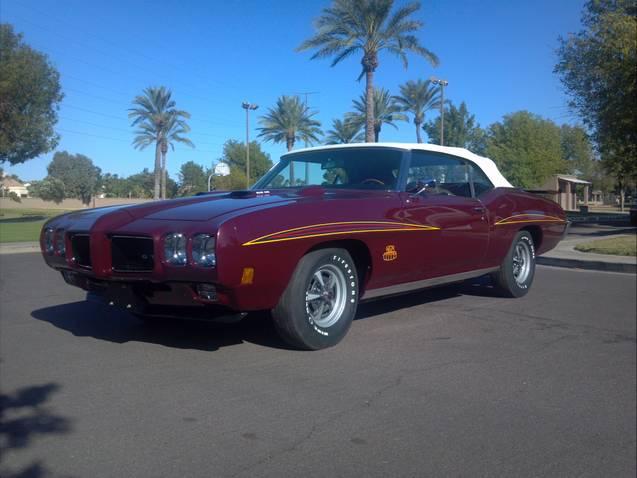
(204, 208)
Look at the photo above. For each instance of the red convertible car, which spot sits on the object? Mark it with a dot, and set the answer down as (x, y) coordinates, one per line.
(324, 229)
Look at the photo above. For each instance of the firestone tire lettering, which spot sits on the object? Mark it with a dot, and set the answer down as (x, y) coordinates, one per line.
(293, 316)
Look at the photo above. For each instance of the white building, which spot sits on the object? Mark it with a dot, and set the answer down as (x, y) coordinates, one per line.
(10, 185)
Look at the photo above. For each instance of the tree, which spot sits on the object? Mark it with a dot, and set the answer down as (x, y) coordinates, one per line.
(368, 27)
(192, 179)
(142, 184)
(49, 189)
(461, 129)
(30, 94)
(597, 67)
(77, 173)
(236, 180)
(234, 155)
(112, 186)
(386, 111)
(344, 132)
(577, 151)
(416, 98)
(526, 148)
(158, 121)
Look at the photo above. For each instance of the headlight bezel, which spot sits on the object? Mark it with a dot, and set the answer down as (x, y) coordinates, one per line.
(49, 241)
(174, 247)
(204, 254)
(59, 242)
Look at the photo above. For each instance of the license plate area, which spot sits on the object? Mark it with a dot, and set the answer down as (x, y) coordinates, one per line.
(124, 296)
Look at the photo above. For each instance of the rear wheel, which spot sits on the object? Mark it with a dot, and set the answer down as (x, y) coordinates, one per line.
(319, 304)
(516, 273)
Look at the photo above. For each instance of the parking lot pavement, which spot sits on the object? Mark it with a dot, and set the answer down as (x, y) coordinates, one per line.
(447, 382)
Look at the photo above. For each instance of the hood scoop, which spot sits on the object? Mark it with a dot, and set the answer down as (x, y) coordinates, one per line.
(248, 193)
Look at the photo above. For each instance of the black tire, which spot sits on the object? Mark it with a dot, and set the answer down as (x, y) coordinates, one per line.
(303, 323)
(514, 279)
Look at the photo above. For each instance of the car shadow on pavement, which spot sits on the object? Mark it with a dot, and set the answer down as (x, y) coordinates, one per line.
(480, 286)
(23, 418)
(89, 319)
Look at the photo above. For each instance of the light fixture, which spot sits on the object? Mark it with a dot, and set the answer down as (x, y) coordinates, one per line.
(203, 250)
(60, 242)
(175, 249)
(49, 234)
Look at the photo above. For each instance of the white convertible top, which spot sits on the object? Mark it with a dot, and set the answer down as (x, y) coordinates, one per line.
(485, 164)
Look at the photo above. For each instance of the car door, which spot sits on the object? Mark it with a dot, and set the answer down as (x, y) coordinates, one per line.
(441, 193)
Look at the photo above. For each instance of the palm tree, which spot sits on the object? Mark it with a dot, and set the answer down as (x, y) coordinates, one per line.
(369, 27)
(290, 120)
(386, 111)
(158, 122)
(418, 97)
(344, 132)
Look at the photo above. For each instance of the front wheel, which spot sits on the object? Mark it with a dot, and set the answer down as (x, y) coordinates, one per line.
(319, 304)
(517, 271)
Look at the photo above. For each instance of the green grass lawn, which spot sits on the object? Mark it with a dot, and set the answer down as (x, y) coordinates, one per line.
(618, 246)
(23, 225)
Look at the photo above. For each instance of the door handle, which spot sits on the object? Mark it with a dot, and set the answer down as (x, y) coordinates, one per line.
(479, 209)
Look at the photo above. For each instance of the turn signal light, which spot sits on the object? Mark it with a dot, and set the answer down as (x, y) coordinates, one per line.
(248, 276)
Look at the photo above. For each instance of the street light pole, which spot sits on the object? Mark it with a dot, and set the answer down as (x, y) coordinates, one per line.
(442, 83)
(248, 106)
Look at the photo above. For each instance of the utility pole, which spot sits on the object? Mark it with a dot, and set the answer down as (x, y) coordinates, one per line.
(246, 105)
(442, 83)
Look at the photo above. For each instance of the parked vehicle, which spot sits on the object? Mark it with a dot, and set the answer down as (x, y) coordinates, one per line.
(324, 229)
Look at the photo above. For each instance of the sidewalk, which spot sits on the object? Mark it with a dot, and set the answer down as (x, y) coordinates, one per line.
(565, 255)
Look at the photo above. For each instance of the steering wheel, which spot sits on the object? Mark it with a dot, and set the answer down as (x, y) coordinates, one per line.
(373, 180)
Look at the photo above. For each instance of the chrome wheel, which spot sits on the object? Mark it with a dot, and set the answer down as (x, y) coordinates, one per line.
(325, 297)
(522, 257)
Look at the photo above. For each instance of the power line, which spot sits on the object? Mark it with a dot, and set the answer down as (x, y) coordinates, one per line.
(110, 138)
(131, 131)
(125, 118)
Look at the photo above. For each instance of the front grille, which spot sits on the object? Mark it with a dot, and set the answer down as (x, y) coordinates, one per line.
(81, 250)
(132, 254)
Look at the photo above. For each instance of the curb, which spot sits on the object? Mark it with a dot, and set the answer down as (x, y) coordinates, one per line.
(588, 265)
(19, 248)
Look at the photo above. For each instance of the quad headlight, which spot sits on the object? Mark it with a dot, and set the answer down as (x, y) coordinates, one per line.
(60, 242)
(49, 236)
(203, 250)
(175, 249)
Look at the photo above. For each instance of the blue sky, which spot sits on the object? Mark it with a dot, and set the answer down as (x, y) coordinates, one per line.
(498, 56)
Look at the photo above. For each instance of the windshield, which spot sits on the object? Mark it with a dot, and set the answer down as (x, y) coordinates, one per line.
(347, 168)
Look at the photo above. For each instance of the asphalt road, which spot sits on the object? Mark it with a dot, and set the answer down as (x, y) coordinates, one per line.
(449, 382)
